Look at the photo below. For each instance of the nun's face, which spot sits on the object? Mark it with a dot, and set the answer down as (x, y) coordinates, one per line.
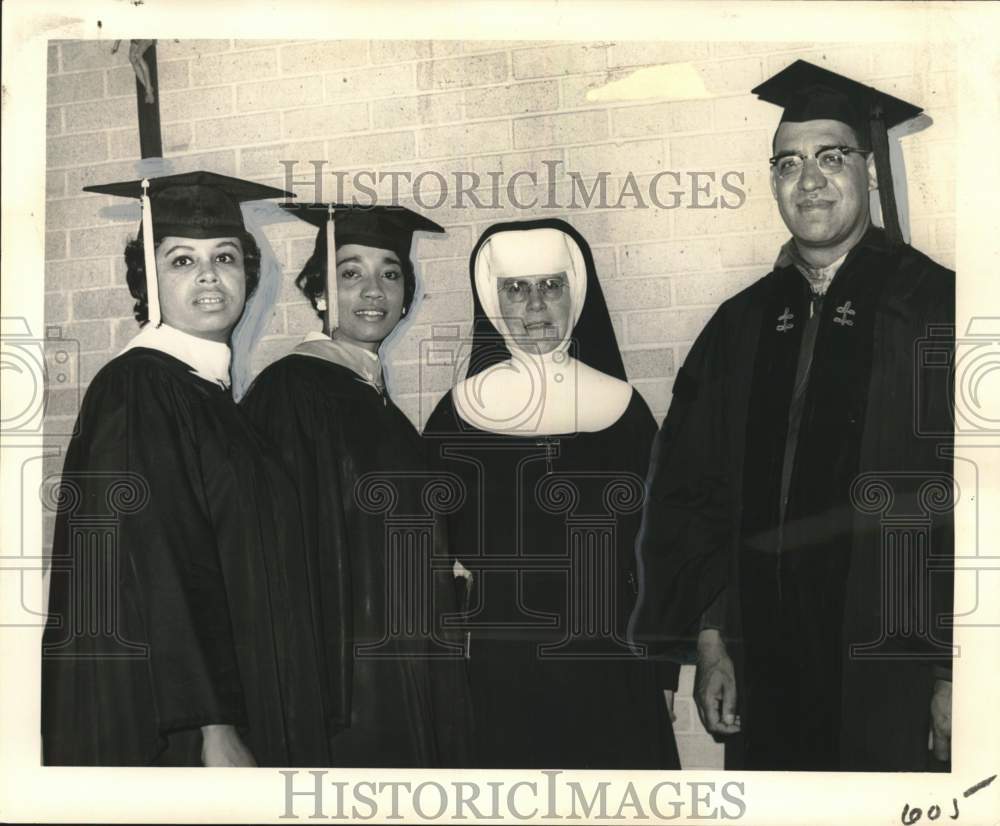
(202, 285)
(369, 294)
(537, 309)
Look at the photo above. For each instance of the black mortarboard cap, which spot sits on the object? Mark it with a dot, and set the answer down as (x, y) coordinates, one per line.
(809, 92)
(194, 204)
(188, 205)
(388, 226)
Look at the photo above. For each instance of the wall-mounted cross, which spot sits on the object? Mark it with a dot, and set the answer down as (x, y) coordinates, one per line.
(142, 56)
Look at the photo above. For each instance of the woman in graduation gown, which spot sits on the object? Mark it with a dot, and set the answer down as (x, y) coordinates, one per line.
(552, 445)
(397, 687)
(175, 634)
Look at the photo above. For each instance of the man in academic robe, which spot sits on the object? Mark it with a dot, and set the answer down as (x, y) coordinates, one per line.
(797, 533)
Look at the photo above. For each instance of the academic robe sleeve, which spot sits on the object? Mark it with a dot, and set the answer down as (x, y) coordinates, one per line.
(643, 428)
(136, 456)
(684, 544)
(450, 691)
(936, 413)
(174, 558)
(299, 420)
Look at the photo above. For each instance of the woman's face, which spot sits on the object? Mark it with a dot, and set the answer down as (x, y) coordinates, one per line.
(369, 294)
(202, 285)
(537, 309)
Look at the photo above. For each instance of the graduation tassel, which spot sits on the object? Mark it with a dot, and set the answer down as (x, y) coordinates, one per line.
(331, 320)
(883, 168)
(149, 257)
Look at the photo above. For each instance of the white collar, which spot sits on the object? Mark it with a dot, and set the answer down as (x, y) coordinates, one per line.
(207, 359)
(530, 395)
(819, 278)
(363, 362)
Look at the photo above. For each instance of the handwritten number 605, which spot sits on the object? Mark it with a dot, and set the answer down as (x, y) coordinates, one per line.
(911, 816)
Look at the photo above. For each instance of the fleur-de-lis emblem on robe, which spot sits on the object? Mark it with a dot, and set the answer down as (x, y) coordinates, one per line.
(785, 321)
(845, 311)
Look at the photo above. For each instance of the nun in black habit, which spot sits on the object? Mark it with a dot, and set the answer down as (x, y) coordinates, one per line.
(379, 571)
(552, 444)
(176, 635)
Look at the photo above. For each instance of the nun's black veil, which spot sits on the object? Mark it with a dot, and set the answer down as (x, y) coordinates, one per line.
(593, 340)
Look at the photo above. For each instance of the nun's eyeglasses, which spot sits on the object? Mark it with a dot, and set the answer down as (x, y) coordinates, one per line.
(517, 291)
(831, 160)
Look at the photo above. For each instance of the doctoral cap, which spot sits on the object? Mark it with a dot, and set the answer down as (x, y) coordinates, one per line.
(387, 227)
(188, 205)
(808, 92)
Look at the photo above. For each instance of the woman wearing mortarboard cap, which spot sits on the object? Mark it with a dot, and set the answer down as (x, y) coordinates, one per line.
(397, 686)
(176, 636)
(552, 444)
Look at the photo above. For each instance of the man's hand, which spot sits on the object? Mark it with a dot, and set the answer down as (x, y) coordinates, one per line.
(941, 720)
(715, 685)
(669, 696)
(222, 746)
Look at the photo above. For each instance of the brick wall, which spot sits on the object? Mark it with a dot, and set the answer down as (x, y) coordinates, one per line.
(238, 107)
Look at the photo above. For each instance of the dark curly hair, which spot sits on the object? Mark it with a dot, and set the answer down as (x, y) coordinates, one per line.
(311, 280)
(135, 271)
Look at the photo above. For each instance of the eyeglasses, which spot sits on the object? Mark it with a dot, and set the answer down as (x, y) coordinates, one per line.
(517, 291)
(830, 161)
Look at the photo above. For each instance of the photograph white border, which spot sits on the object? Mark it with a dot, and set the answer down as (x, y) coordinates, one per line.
(29, 792)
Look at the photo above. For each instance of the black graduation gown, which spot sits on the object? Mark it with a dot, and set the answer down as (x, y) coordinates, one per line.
(832, 672)
(174, 582)
(547, 530)
(374, 548)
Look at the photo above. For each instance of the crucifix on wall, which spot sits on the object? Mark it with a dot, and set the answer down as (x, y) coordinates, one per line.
(142, 56)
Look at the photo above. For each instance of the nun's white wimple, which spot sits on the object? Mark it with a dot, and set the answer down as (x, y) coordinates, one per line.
(528, 252)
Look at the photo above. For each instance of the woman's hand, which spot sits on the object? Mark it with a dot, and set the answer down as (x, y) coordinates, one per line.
(222, 746)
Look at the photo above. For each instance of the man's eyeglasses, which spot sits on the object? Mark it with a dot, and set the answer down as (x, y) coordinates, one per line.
(517, 291)
(830, 161)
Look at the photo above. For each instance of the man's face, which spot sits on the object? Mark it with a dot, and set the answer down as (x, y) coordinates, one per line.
(822, 209)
